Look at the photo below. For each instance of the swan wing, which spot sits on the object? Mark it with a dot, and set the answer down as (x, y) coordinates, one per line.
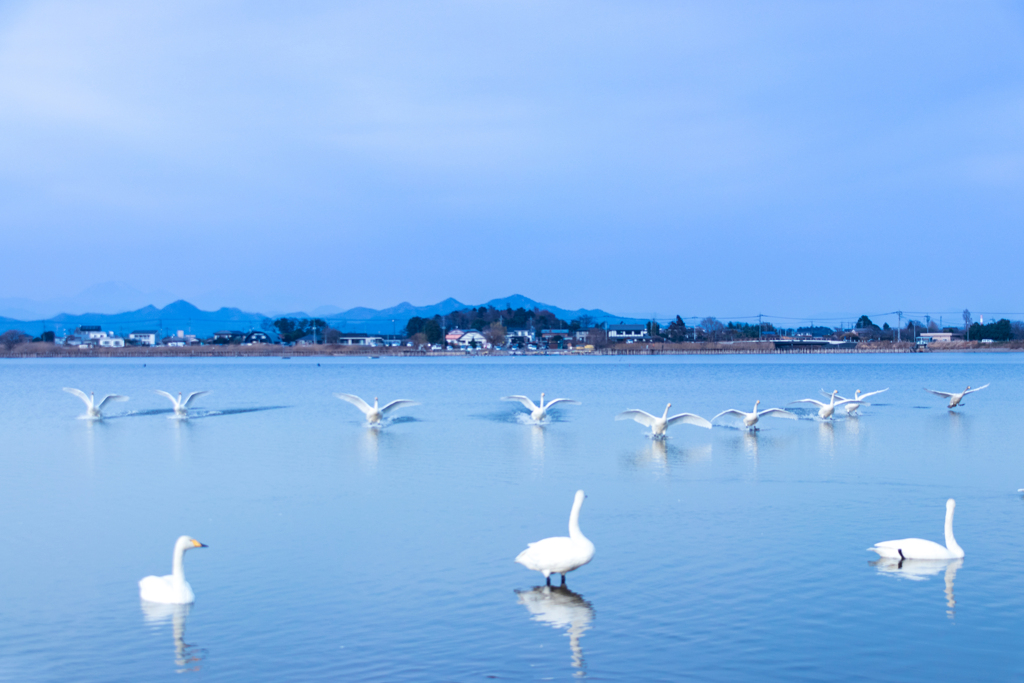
(912, 548)
(644, 418)
(849, 401)
(522, 399)
(971, 391)
(112, 398)
(173, 399)
(80, 394)
(732, 412)
(804, 400)
(395, 405)
(944, 394)
(689, 419)
(873, 393)
(828, 394)
(557, 554)
(357, 402)
(194, 394)
(777, 412)
(563, 400)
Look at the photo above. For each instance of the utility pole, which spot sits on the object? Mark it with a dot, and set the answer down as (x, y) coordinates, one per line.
(899, 325)
(758, 327)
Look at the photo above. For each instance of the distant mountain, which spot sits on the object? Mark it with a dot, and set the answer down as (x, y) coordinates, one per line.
(181, 315)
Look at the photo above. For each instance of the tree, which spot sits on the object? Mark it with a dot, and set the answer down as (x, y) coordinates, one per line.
(495, 334)
(12, 338)
(712, 328)
(331, 335)
(864, 321)
(432, 331)
(967, 322)
(653, 328)
(676, 330)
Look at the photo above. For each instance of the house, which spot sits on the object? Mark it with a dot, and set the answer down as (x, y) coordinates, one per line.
(93, 332)
(519, 337)
(471, 339)
(549, 335)
(112, 342)
(929, 337)
(626, 332)
(228, 336)
(144, 337)
(258, 337)
(453, 336)
(359, 339)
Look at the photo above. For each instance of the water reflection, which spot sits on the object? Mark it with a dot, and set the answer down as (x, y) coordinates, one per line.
(920, 570)
(537, 441)
(660, 454)
(186, 657)
(369, 447)
(561, 608)
(827, 437)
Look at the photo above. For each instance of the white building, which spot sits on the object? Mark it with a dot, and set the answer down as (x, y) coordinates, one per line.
(111, 342)
(472, 339)
(626, 332)
(144, 337)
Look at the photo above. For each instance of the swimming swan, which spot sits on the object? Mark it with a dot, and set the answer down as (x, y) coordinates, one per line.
(954, 399)
(750, 419)
(858, 399)
(659, 425)
(538, 412)
(920, 549)
(375, 414)
(93, 410)
(173, 589)
(559, 555)
(181, 407)
(825, 410)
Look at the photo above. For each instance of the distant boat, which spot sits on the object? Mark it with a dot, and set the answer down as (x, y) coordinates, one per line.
(286, 357)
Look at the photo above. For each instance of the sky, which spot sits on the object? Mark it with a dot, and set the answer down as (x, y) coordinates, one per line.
(805, 159)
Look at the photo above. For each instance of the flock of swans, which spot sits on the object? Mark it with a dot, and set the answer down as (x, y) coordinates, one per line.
(559, 554)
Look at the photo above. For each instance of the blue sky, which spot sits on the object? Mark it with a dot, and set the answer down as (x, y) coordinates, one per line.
(793, 158)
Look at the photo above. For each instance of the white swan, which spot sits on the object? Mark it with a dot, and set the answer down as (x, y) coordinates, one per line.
(825, 410)
(920, 549)
(172, 589)
(955, 399)
(660, 425)
(559, 555)
(93, 410)
(375, 414)
(750, 419)
(181, 407)
(858, 399)
(538, 412)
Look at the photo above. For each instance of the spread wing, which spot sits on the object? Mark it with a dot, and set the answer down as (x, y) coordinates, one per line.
(173, 399)
(778, 412)
(849, 401)
(828, 394)
(522, 399)
(194, 394)
(80, 394)
(357, 402)
(111, 397)
(646, 419)
(943, 394)
(971, 391)
(803, 400)
(873, 393)
(563, 400)
(395, 405)
(689, 419)
(731, 412)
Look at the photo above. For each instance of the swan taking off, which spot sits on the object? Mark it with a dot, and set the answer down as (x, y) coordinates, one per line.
(750, 419)
(954, 399)
(538, 412)
(375, 414)
(181, 407)
(660, 425)
(172, 589)
(858, 399)
(559, 555)
(825, 410)
(93, 410)
(920, 549)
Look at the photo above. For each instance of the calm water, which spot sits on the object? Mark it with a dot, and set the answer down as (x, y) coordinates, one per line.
(342, 553)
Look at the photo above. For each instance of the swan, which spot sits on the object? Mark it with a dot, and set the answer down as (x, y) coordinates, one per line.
(825, 410)
(375, 414)
(955, 399)
(920, 549)
(858, 399)
(559, 555)
(750, 419)
(181, 407)
(172, 589)
(659, 425)
(93, 410)
(538, 412)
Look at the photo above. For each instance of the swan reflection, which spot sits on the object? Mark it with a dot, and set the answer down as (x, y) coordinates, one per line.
(561, 608)
(186, 657)
(660, 454)
(920, 570)
(537, 441)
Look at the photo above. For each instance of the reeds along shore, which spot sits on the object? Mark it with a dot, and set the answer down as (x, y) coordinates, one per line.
(45, 350)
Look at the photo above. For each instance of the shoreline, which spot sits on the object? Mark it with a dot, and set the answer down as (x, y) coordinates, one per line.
(43, 350)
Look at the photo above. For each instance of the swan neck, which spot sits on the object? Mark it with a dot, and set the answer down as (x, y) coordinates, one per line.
(178, 567)
(951, 544)
(574, 522)
(664, 415)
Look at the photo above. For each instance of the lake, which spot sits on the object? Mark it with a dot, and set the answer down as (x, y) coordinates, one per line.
(340, 552)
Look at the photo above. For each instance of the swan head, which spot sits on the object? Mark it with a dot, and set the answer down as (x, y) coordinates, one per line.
(579, 497)
(187, 543)
(950, 505)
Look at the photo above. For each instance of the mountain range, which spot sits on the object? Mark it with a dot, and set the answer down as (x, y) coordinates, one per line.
(181, 315)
